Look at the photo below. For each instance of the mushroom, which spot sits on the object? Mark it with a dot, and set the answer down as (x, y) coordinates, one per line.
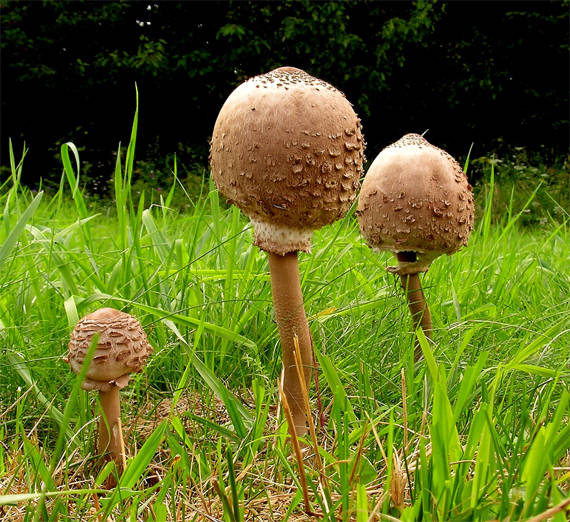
(416, 203)
(287, 149)
(122, 349)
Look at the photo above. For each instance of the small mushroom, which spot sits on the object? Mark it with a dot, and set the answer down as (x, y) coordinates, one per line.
(287, 149)
(122, 349)
(416, 203)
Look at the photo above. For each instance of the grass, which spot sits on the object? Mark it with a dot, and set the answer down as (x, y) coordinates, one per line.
(477, 430)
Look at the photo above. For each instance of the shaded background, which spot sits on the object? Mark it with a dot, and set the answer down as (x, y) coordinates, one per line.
(490, 73)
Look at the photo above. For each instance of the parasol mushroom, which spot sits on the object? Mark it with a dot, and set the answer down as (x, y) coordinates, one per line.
(287, 149)
(122, 349)
(416, 203)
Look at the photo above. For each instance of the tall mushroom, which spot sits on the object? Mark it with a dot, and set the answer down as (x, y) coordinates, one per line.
(416, 203)
(122, 349)
(287, 149)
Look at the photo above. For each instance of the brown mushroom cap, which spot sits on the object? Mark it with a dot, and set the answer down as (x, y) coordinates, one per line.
(123, 348)
(287, 149)
(415, 198)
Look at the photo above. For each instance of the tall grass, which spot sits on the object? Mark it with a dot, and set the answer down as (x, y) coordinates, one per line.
(477, 430)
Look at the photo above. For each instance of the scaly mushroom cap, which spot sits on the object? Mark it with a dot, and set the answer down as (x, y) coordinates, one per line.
(287, 149)
(415, 199)
(123, 348)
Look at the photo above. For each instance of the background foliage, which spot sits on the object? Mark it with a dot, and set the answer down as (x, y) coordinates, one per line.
(485, 72)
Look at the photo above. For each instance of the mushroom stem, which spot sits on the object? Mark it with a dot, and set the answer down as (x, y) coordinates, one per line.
(291, 320)
(418, 308)
(110, 432)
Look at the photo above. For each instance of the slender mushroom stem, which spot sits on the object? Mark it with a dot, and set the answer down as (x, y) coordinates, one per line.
(110, 432)
(291, 320)
(417, 304)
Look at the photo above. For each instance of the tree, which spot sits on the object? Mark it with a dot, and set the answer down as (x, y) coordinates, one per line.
(467, 71)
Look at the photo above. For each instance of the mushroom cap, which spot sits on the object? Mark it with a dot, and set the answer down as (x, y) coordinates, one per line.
(415, 198)
(123, 348)
(287, 149)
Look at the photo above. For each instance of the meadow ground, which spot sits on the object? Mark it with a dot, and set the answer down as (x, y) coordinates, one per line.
(476, 430)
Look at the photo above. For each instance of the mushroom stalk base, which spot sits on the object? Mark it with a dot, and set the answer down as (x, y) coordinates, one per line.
(291, 320)
(110, 432)
(418, 308)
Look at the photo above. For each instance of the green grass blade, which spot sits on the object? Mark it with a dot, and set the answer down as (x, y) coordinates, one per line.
(19, 364)
(233, 486)
(237, 412)
(160, 243)
(187, 320)
(138, 465)
(11, 241)
(341, 401)
(361, 504)
(7, 500)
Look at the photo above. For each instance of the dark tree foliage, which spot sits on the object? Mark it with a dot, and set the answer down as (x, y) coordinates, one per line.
(470, 72)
